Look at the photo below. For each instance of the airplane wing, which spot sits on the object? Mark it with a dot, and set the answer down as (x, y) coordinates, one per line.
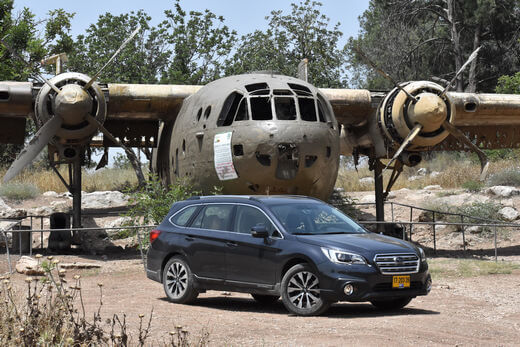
(490, 121)
(133, 110)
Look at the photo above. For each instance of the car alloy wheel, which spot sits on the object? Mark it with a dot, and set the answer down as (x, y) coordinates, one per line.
(178, 281)
(301, 291)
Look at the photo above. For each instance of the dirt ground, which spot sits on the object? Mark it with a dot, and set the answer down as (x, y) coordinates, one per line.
(459, 311)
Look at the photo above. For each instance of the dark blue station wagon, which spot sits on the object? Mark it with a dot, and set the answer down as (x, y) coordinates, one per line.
(299, 248)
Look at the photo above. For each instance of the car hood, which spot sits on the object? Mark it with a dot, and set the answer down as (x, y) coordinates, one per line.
(367, 244)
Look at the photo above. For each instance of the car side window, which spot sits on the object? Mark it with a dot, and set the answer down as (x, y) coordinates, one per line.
(214, 217)
(182, 217)
(247, 217)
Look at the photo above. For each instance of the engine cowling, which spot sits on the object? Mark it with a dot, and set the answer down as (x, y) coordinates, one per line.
(398, 114)
(73, 104)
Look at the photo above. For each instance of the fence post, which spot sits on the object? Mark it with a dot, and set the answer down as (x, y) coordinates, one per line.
(434, 238)
(141, 248)
(392, 209)
(7, 250)
(463, 234)
(411, 225)
(41, 232)
(496, 252)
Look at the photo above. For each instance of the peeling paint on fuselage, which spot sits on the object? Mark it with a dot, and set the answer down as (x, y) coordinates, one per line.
(303, 155)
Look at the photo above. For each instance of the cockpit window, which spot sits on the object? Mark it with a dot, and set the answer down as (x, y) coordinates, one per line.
(261, 108)
(258, 88)
(285, 108)
(321, 112)
(242, 113)
(229, 109)
(307, 109)
(282, 92)
(300, 90)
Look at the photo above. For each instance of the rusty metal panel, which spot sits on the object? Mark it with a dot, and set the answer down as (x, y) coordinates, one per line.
(132, 133)
(485, 109)
(351, 106)
(12, 130)
(16, 98)
(147, 101)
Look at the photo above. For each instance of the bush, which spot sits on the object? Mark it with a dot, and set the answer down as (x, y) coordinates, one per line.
(473, 186)
(19, 191)
(507, 177)
(151, 203)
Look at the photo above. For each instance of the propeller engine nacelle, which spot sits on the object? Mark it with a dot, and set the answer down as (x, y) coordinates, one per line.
(73, 105)
(399, 114)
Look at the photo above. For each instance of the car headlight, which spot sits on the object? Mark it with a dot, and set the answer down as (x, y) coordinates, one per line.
(340, 257)
(422, 254)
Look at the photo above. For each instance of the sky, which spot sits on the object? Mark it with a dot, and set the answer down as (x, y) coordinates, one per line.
(243, 16)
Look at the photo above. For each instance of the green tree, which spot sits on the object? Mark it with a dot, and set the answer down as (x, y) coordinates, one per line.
(30, 39)
(290, 38)
(143, 59)
(199, 42)
(422, 39)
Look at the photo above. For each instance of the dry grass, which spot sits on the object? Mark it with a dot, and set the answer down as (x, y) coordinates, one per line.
(105, 179)
(453, 174)
(445, 268)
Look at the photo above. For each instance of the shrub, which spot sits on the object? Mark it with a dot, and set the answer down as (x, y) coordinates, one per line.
(19, 191)
(473, 186)
(507, 177)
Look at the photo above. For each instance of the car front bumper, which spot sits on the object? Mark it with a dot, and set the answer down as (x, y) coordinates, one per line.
(368, 283)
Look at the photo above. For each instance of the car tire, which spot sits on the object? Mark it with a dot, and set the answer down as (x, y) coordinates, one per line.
(392, 304)
(178, 281)
(301, 292)
(265, 299)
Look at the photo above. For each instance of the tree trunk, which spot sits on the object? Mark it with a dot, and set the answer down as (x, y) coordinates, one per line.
(472, 78)
(455, 38)
(136, 165)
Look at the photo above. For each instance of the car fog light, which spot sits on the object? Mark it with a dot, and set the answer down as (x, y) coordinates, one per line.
(348, 289)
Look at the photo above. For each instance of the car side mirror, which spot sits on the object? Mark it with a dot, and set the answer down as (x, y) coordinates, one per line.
(260, 231)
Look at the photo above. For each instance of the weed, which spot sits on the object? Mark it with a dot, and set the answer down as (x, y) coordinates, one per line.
(19, 191)
(52, 312)
(473, 186)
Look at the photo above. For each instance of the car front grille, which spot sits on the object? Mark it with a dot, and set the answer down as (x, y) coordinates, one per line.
(397, 263)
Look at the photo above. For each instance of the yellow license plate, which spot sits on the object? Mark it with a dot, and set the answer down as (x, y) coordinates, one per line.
(401, 282)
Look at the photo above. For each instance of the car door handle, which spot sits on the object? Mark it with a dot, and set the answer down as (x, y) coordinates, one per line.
(189, 238)
(231, 244)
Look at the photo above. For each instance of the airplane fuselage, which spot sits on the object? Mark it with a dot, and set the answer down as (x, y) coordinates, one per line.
(254, 134)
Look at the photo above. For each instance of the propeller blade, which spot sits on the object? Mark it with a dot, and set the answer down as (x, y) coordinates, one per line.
(484, 164)
(462, 68)
(409, 138)
(123, 45)
(382, 73)
(35, 146)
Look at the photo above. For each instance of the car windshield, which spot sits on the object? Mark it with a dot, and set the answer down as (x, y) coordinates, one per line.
(315, 219)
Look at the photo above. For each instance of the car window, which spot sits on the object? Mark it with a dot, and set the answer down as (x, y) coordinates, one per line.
(182, 217)
(315, 218)
(214, 217)
(247, 217)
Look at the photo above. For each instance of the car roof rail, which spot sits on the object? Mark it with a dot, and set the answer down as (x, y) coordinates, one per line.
(195, 197)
